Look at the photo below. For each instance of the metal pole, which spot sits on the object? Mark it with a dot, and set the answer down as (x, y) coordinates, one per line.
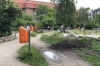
(29, 39)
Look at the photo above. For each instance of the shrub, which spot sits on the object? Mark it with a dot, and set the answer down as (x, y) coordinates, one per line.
(56, 27)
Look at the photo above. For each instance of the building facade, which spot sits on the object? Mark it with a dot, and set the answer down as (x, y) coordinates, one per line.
(29, 6)
(92, 13)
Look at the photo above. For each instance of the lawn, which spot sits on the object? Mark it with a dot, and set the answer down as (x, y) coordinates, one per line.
(82, 31)
(74, 31)
(34, 58)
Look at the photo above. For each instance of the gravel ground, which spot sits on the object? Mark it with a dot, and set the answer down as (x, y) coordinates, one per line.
(9, 52)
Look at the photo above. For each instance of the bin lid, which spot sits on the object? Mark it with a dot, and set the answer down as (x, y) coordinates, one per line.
(22, 29)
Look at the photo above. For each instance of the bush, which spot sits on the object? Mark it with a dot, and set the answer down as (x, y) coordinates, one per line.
(9, 13)
(90, 25)
(56, 27)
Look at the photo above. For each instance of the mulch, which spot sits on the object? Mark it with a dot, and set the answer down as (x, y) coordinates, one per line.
(70, 44)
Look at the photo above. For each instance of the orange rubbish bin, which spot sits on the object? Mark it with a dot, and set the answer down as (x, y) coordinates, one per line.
(31, 28)
(35, 27)
(23, 35)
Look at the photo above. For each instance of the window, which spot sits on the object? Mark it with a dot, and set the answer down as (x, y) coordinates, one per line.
(23, 9)
(34, 9)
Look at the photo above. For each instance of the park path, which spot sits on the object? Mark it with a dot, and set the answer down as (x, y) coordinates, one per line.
(9, 52)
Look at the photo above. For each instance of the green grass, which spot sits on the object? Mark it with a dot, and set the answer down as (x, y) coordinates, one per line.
(34, 58)
(76, 31)
(93, 44)
(96, 46)
(50, 32)
(93, 58)
(33, 34)
(82, 31)
(52, 39)
(80, 50)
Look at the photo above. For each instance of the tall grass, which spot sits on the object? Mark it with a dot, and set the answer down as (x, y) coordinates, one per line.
(52, 39)
(34, 58)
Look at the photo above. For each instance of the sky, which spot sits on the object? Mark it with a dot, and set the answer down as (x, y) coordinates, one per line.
(92, 4)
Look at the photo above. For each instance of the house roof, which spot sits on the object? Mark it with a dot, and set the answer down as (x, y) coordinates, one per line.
(19, 1)
(31, 3)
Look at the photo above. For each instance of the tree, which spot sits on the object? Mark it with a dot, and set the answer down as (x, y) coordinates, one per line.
(83, 16)
(25, 20)
(65, 12)
(41, 9)
(45, 16)
(9, 12)
(97, 19)
(91, 24)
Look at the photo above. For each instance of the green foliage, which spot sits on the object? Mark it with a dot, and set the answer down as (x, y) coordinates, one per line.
(26, 19)
(95, 59)
(93, 56)
(52, 39)
(76, 50)
(9, 12)
(39, 24)
(82, 31)
(84, 39)
(45, 16)
(91, 24)
(97, 19)
(65, 12)
(56, 27)
(96, 46)
(33, 58)
(91, 51)
(33, 34)
(41, 9)
(83, 16)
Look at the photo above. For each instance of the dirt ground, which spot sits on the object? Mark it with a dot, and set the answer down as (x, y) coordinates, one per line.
(9, 52)
(66, 58)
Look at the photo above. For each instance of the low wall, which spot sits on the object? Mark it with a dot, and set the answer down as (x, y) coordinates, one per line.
(7, 38)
